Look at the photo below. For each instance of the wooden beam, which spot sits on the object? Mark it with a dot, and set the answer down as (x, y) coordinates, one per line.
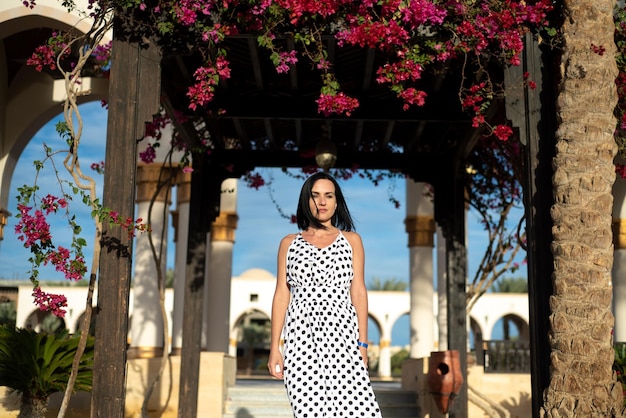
(269, 132)
(422, 167)
(368, 70)
(388, 132)
(304, 107)
(133, 99)
(358, 134)
(256, 65)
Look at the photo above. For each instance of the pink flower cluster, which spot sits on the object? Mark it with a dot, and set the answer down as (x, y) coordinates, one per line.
(405, 70)
(338, 104)
(501, 24)
(33, 229)
(128, 224)
(412, 34)
(45, 56)
(365, 32)
(207, 78)
(285, 59)
(412, 96)
(502, 132)
(73, 269)
(148, 155)
(98, 167)
(531, 84)
(187, 11)
(49, 302)
(102, 56)
(254, 180)
(474, 101)
(299, 9)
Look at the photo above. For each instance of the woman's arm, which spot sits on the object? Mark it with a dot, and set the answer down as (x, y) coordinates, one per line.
(279, 308)
(358, 291)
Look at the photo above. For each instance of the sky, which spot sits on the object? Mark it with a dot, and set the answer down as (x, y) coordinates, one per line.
(260, 225)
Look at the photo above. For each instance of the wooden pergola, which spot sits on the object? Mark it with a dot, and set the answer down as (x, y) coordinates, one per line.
(271, 120)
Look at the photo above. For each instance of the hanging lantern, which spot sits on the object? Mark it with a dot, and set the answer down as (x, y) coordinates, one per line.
(325, 154)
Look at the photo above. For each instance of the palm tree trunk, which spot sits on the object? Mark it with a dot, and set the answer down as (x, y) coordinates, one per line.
(31, 407)
(582, 382)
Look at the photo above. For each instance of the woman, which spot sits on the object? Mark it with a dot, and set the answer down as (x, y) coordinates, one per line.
(320, 309)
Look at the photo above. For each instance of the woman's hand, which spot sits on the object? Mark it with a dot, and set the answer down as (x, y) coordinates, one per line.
(363, 351)
(275, 365)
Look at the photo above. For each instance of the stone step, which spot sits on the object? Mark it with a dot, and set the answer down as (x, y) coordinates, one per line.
(270, 401)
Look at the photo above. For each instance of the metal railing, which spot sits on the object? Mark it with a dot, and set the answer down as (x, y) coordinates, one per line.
(506, 356)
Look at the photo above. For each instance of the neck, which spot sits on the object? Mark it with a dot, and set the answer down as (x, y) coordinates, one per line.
(327, 230)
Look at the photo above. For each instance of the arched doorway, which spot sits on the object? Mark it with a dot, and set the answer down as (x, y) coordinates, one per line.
(41, 321)
(252, 332)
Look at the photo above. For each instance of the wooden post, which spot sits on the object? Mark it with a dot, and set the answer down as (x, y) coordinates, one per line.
(134, 94)
(450, 215)
(534, 115)
(204, 206)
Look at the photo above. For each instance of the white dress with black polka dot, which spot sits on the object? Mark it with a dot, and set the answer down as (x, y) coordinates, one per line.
(324, 373)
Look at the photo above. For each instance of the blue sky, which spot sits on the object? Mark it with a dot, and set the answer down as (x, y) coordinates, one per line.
(260, 225)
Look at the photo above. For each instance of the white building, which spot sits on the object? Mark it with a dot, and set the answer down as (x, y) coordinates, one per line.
(251, 298)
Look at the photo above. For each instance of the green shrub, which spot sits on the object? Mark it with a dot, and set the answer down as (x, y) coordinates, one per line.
(39, 364)
(396, 362)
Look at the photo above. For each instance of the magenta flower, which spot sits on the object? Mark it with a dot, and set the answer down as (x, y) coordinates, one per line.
(338, 104)
(503, 132)
(148, 155)
(49, 302)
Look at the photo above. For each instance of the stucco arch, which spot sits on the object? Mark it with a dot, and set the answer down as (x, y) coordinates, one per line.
(15, 17)
(521, 324)
(395, 320)
(79, 321)
(246, 314)
(30, 99)
(476, 330)
(243, 314)
(377, 323)
(36, 318)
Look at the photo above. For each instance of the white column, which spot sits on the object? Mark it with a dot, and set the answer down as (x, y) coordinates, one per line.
(420, 226)
(146, 331)
(180, 220)
(232, 343)
(220, 261)
(384, 354)
(619, 259)
(442, 295)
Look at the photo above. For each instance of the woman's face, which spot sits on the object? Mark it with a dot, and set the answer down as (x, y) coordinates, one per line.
(323, 201)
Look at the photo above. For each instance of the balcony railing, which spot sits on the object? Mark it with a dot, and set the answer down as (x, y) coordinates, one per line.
(507, 356)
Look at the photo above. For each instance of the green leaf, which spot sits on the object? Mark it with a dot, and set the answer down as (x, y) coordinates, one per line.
(40, 364)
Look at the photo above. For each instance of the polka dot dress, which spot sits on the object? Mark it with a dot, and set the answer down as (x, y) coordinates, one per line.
(324, 373)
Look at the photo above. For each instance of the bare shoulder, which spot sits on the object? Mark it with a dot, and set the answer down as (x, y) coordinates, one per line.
(287, 240)
(353, 238)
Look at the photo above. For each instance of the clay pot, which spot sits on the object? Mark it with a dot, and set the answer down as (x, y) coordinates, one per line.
(444, 378)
